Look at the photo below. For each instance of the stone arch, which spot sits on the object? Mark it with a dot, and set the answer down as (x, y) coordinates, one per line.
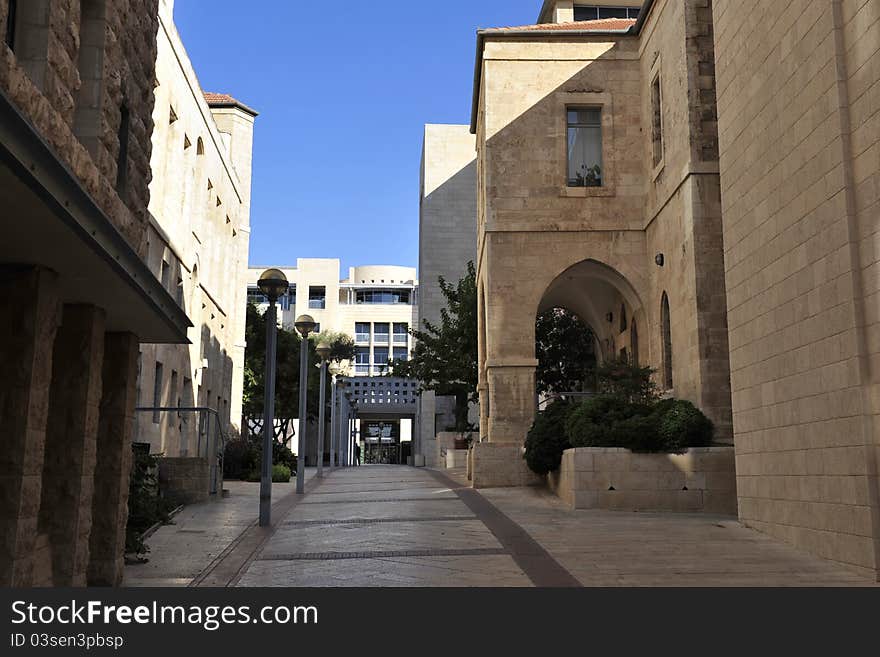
(594, 291)
(666, 341)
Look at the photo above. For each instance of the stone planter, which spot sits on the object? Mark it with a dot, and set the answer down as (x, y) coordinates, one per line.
(456, 458)
(702, 480)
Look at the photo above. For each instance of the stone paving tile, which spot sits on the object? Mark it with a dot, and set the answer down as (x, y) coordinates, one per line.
(424, 535)
(498, 570)
(609, 548)
(399, 509)
(199, 533)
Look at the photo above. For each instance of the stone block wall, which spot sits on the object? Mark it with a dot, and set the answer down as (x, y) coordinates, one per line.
(184, 480)
(799, 137)
(700, 480)
(43, 78)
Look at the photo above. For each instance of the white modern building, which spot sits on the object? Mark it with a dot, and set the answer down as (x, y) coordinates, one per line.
(375, 304)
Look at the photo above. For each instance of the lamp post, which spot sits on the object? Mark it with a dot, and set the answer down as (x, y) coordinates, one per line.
(273, 283)
(334, 414)
(305, 324)
(323, 350)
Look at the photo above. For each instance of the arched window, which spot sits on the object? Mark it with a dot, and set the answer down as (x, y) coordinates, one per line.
(634, 343)
(666, 337)
(622, 317)
(200, 147)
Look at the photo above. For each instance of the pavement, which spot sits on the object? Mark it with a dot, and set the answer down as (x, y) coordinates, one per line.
(401, 526)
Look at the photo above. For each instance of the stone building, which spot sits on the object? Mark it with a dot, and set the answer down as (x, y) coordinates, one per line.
(447, 242)
(197, 246)
(77, 294)
(608, 152)
(598, 192)
(375, 305)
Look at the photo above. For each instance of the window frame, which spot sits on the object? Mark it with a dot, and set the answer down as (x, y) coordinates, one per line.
(565, 100)
(655, 114)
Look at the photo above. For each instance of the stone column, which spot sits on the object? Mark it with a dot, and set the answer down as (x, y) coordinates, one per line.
(113, 467)
(499, 461)
(71, 432)
(28, 320)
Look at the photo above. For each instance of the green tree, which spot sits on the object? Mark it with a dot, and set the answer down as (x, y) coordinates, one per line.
(445, 355)
(287, 352)
(565, 348)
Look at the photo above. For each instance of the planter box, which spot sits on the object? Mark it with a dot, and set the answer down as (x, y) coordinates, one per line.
(456, 458)
(702, 480)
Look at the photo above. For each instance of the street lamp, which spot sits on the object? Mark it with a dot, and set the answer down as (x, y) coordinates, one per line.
(323, 350)
(305, 324)
(273, 283)
(334, 414)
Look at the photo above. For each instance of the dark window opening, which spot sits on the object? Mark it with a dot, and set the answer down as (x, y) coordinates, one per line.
(317, 297)
(623, 323)
(122, 161)
(592, 12)
(666, 328)
(382, 296)
(10, 24)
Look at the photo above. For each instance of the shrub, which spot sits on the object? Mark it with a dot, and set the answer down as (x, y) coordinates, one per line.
(606, 421)
(626, 381)
(145, 506)
(682, 425)
(243, 459)
(546, 439)
(280, 473)
(239, 458)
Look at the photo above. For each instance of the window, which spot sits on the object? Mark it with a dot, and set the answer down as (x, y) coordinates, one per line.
(166, 274)
(584, 147)
(172, 395)
(317, 328)
(122, 159)
(380, 359)
(157, 392)
(634, 343)
(10, 24)
(383, 296)
(380, 332)
(666, 329)
(362, 331)
(400, 333)
(592, 12)
(362, 360)
(656, 120)
(401, 353)
(255, 296)
(317, 296)
(622, 318)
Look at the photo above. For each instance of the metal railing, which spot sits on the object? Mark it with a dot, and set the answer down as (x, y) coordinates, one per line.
(568, 396)
(211, 438)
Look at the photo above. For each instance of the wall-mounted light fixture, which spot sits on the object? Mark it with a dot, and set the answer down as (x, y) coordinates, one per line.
(610, 318)
(659, 259)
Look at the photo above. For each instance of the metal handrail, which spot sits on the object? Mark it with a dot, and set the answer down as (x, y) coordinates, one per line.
(565, 395)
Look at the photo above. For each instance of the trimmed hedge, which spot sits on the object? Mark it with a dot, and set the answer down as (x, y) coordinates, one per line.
(671, 426)
(280, 474)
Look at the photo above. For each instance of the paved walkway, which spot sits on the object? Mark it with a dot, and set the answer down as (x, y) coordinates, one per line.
(399, 526)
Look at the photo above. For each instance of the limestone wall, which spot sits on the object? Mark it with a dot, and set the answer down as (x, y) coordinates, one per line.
(44, 77)
(700, 480)
(197, 247)
(799, 136)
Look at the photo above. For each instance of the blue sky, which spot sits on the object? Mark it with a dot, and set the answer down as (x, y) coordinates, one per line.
(343, 91)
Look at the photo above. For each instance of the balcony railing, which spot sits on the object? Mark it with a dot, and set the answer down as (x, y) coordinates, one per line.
(318, 304)
(361, 369)
(400, 338)
(362, 337)
(380, 338)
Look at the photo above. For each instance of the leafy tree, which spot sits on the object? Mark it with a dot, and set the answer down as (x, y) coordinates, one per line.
(565, 348)
(287, 351)
(445, 355)
(623, 379)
